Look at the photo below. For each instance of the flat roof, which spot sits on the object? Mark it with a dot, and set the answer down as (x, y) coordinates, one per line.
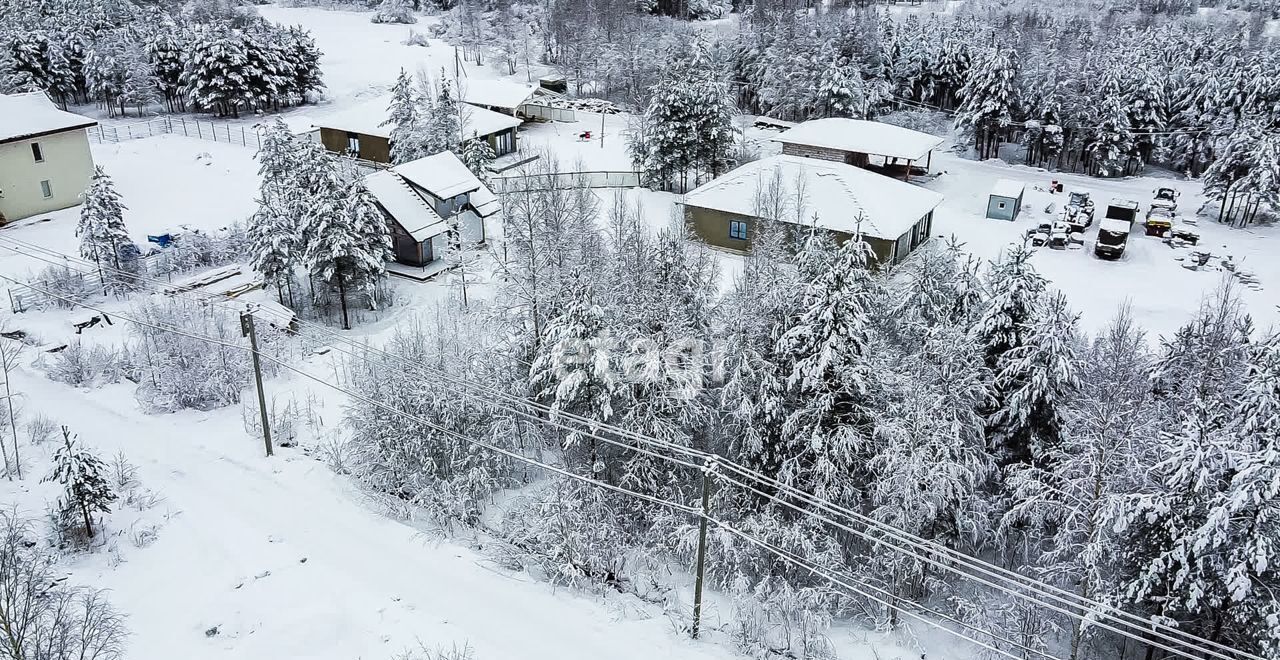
(861, 136)
(365, 118)
(497, 93)
(836, 195)
(32, 114)
(1008, 188)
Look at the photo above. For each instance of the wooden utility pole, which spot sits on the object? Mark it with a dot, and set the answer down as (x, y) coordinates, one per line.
(702, 548)
(247, 328)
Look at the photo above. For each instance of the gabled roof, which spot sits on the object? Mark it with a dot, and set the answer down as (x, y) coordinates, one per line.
(497, 93)
(442, 175)
(836, 195)
(860, 136)
(1008, 188)
(405, 206)
(32, 114)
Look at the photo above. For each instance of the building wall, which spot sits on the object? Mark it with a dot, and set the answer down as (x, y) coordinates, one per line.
(372, 147)
(712, 227)
(807, 151)
(67, 166)
(1002, 208)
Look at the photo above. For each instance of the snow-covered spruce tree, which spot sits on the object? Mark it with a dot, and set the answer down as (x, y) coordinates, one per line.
(83, 477)
(102, 232)
(477, 155)
(164, 52)
(462, 259)
(1035, 380)
(828, 376)
(406, 120)
(989, 99)
(348, 244)
(394, 11)
(273, 229)
(938, 288)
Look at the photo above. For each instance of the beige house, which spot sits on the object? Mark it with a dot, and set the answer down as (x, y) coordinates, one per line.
(45, 163)
(891, 216)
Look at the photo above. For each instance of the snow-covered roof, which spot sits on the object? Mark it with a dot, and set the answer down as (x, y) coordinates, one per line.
(361, 118)
(1008, 188)
(835, 193)
(1113, 225)
(497, 93)
(32, 114)
(485, 202)
(442, 175)
(482, 122)
(860, 136)
(405, 206)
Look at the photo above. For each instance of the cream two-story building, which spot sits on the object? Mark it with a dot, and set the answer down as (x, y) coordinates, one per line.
(45, 163)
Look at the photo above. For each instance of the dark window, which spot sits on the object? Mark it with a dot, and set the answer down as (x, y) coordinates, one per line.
(353, 143)
(738, 230)
(37, 152)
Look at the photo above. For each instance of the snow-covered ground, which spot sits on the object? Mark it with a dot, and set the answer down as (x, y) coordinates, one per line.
(286, 559)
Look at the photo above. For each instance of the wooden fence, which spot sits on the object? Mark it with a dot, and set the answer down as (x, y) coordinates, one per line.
(515, 183)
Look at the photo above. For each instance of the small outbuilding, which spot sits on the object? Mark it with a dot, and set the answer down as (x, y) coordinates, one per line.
(891, 150)
(891, 216)
(45, 162)
(1006, 200)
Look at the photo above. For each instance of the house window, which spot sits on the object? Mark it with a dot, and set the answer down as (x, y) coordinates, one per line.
(738, 230)
(1000, 205)
(46, 189)
(505, 143)
(37, 152)
(353, 143)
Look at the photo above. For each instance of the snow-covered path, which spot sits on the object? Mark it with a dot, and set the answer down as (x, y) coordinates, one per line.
(344, 581)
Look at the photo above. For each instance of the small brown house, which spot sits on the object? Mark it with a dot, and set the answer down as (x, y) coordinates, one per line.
(358, 130)
(893, 217)
(886, 148)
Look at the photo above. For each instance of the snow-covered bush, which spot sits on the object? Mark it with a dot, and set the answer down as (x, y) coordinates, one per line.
(394, 11)
(68, 283)
(41, 429)
(79, 366)
(773, 619)
(453, 652)
(43, 616)
(176, 371)
(416, 38)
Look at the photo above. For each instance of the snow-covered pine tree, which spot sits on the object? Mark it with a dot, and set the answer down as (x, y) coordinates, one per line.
(164, 52)
(83, 477)
(829, 378)
(574, 370)
(443, 120)
(305, 63)
(348, 241)
(102, 232)
(274, 246)
(461, 258)
(1111, 146)
(1015, 291)
(1035, 381)
(214, 74)
(989, 99)
(477, 155)
(405, 116)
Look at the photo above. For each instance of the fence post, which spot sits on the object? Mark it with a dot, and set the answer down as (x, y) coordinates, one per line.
(213, 128)
(243, 139)
(198, 133)
(702, 547)
(184, 126)
(102, 136)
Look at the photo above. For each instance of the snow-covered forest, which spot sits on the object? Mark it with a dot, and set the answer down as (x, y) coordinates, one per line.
(586, 406)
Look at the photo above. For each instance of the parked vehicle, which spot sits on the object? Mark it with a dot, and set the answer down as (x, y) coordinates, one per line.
(1159, 221)
(1166, 198)
(1123, 210)
(1078, 211)
(1113, 236)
